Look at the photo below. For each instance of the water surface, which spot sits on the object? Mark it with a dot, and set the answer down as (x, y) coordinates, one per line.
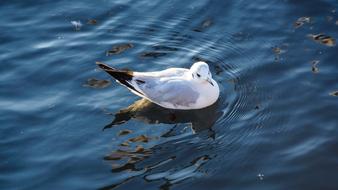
(65, 124)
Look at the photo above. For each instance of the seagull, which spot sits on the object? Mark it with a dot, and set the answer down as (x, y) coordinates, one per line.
(173, 88)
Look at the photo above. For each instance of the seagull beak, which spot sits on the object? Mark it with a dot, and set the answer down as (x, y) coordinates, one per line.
(209, 81)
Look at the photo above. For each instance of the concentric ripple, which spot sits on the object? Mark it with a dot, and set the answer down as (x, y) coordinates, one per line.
(243, 105)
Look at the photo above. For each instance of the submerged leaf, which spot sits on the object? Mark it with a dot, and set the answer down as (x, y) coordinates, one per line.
(124, 144)
(119, 49)
(113, 156)
(301, 21)
(97, 83)
(314, 63)
(152, 54)
(139, 149)
(334, 93)
(323, 39)
(125, 132)
(141, 138)
(92, 21)
(205, 24)
(277, 50)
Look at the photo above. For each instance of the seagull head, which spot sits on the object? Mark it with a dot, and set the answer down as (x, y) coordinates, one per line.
(200, 72)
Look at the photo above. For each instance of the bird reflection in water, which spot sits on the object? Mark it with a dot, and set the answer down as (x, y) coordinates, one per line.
(148, 112)
(132, 152)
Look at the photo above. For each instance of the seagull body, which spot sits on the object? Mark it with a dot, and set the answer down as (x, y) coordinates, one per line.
(173, 88)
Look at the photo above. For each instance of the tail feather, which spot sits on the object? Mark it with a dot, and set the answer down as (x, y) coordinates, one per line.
(123, 77)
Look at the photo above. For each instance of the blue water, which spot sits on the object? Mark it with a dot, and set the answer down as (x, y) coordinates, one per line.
(65, 124)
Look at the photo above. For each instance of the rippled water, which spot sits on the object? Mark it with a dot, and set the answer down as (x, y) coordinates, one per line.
(66, 125)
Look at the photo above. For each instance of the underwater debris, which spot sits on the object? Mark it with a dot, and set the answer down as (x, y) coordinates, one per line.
(205, 24)
(141, 138)
(218, 69)
(76, 24)
(277, 51)
(301, 21)
(119, 49)
(329, 18)
(125, 132)
(334, 93)
(96, 83)
(314, 64)
(124, 144)
(92, 21)
(323, 39)
(260, 176)
(164, 48)
(139, 149)
(152, 54)
(113, 156)
(196, 59)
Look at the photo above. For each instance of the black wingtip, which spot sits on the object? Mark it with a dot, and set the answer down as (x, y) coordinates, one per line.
(122, 76)
(104, 66)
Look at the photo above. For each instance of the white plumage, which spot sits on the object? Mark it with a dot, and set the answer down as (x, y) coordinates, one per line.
(174, 88)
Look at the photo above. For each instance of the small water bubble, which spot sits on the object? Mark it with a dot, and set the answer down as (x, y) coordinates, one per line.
(329, 18)
(51, 106)
(76, 24)
(260, 176)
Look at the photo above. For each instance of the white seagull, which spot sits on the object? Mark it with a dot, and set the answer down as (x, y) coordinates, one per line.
(173, 88)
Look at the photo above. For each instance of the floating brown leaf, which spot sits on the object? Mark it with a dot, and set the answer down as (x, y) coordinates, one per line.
(119, 49)
(323, 39)
(97, 83)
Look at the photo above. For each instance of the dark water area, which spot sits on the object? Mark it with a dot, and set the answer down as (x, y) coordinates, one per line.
(65, 124)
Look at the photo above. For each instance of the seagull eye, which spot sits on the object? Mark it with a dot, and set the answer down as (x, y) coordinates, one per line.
(198, 75)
